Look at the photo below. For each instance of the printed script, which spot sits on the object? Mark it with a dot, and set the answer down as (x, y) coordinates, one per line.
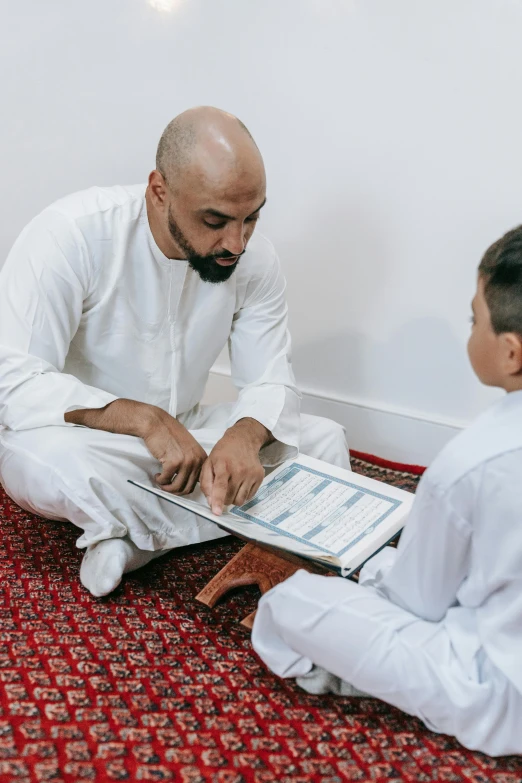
(326, 512)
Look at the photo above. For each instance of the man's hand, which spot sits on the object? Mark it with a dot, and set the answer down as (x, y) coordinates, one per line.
(180, 455)
(233, 472)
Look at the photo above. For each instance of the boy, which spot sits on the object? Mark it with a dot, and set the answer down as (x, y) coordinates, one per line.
(435, 627)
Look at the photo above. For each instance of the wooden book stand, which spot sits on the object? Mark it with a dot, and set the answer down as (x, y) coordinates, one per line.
(255, 565)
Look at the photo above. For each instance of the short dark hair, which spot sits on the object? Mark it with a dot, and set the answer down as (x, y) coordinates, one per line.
(501, 270)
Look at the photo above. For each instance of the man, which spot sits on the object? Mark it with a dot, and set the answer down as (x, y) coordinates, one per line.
(114, 305)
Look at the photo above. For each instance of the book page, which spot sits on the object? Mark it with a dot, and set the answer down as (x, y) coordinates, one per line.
(317, 509)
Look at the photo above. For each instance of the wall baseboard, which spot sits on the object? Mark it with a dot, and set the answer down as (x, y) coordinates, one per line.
(393, 435)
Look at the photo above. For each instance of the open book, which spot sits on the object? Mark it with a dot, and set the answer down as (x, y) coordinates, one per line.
(312, 509)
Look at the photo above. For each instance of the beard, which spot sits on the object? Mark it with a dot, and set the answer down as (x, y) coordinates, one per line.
(206, 266)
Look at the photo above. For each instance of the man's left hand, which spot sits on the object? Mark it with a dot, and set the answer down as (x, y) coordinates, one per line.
(233, 472)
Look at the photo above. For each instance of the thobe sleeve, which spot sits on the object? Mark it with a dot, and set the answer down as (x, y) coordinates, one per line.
(432, 557)
(43, 285)
(261, 368)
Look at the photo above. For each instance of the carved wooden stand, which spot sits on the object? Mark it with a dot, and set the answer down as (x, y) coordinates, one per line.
(254, 565)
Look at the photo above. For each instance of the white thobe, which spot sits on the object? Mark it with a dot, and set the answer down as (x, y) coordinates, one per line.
(435, 627)
(91, 311)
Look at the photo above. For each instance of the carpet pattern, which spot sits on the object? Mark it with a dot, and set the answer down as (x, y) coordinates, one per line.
(149, 685)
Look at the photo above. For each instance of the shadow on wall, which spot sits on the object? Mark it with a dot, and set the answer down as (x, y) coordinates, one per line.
(419, 369)
(346, 278)
(334, 260)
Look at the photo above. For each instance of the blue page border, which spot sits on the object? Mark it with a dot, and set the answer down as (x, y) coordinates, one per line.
(291, 471)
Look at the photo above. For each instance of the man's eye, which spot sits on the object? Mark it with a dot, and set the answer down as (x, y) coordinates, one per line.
(252, 218)
(214, 225)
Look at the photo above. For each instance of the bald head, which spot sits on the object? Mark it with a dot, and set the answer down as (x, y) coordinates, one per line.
(205, 196)
(208, 142)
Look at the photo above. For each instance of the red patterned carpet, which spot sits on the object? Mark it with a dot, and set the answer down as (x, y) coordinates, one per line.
(149, 685)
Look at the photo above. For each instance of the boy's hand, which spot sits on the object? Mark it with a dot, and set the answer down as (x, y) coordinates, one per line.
(232, 472)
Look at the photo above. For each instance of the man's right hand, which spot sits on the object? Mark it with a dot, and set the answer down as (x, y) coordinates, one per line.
(180, 455)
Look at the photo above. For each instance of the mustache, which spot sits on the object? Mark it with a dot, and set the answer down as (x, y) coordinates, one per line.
(227, 254)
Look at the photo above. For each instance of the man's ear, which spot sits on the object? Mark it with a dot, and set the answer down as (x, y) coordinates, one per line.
(511, 351)
(157, 189)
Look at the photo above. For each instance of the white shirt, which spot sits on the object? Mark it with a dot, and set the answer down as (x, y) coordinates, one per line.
(460, 555)
(91, 310)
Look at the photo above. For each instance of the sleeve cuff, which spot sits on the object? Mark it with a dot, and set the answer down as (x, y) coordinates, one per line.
(38, 410)
(277, 409)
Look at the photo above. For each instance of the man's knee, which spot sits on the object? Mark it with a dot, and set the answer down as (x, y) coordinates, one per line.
(324, 439)
(28, 461)
(46, 445)
(39, 467)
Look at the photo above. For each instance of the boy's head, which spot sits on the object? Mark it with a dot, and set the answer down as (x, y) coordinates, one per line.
(495, 345)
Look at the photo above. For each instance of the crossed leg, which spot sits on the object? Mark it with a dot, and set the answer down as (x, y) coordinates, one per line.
(81, 475)
(372, 646)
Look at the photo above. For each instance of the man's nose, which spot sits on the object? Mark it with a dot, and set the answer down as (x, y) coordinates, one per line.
(235, 240)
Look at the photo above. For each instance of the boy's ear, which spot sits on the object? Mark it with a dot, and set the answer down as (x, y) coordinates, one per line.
(511, 353)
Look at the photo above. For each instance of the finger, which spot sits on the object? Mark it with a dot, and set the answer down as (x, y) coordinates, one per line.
(170, 488)
(169, 469)
(206, 479)
(253, 489)
(242, 494)
(247, 490)
(191, 482)
(237, 486)
(219, 490)
(179, 482)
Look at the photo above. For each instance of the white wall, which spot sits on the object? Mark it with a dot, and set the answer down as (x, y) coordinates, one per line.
(391, 133)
